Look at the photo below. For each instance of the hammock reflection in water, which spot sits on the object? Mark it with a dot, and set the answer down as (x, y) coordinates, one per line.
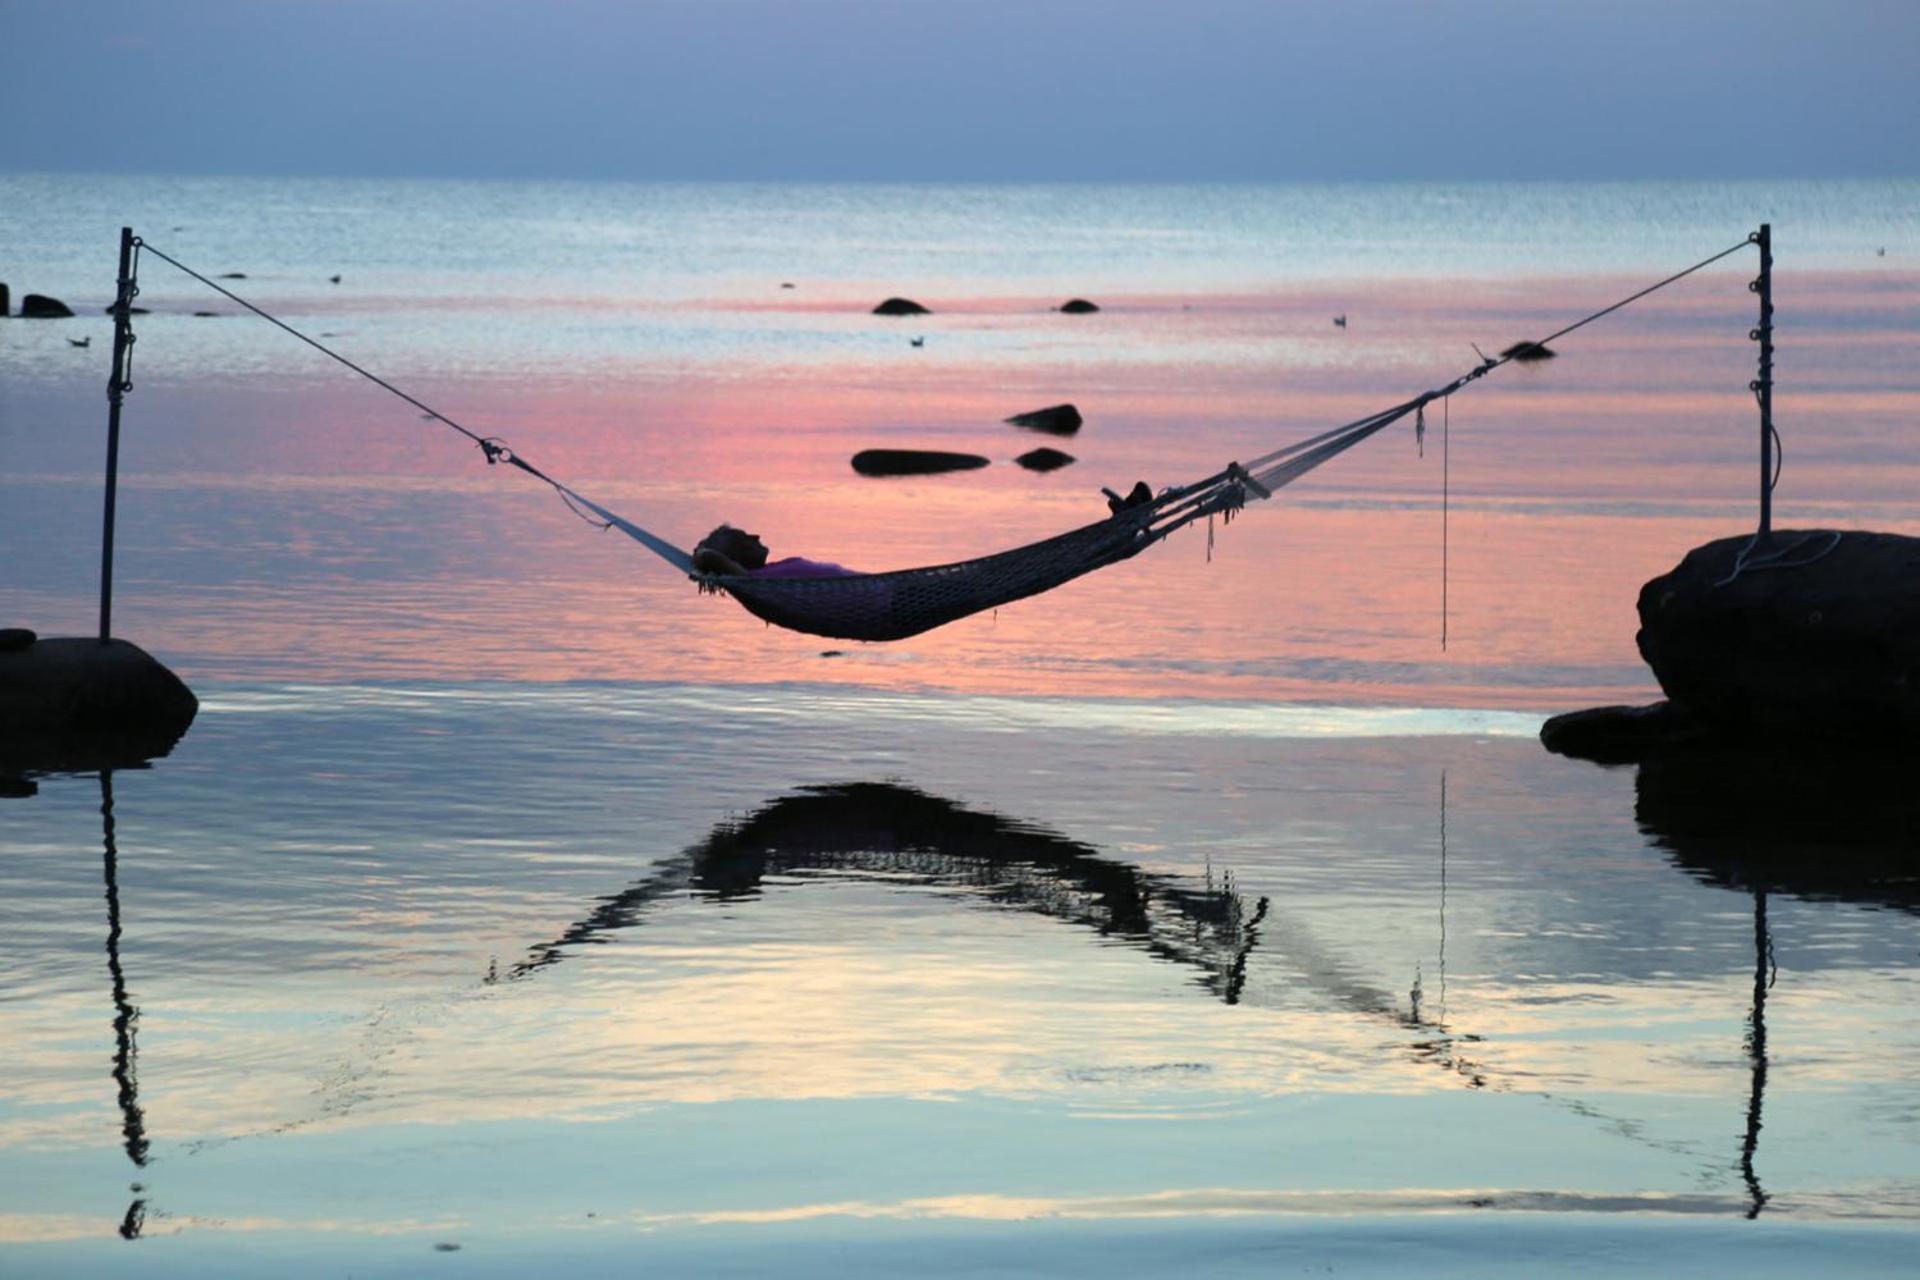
(892, 834)
(888, 832)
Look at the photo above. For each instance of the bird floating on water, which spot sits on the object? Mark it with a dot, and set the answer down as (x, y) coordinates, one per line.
(81, 342)
(333, 279)
(920, 341)
(1340, 321)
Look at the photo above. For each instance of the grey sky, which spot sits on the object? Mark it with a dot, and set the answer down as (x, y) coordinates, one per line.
(964, 89)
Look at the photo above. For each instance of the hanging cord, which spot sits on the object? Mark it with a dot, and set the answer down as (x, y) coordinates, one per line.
(495, 450)
(1745, 561)
(1281, 466)
(1446, 459)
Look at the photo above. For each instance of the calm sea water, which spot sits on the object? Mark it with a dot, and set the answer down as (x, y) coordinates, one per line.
(1206, 916)
(284, 519)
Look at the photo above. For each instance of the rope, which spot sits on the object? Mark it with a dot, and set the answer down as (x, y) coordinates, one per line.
(494, 449)
(1328, 443)
(1224, 492)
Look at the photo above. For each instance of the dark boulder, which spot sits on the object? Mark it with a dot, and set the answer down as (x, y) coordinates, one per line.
(37, 306)
(1078, 307)
(75, 703)
(1619, 735)
(6, 301)
(1059, 420)
(1044, 459)
(900, 307)
(913, 462)
(206, 315)
(132, 311)
(14, 639)
(1527, 352)
(1817, 634)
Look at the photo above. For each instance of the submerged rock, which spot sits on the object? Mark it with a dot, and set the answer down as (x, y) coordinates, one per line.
(900, 307)
(1044, 459)
(1817, 633)
(37, 306)
(132, 311)
(914, 462)
(1059, 420)
(1077, 307)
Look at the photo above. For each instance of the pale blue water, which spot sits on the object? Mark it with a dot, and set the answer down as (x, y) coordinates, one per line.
(443, 263)
(595, 972)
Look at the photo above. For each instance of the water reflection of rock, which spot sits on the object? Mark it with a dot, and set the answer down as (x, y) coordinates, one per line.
(1820, 824)
(27, 755)
(897, 833)
(1827, 824)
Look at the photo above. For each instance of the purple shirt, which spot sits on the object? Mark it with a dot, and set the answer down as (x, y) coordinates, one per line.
(800, 567)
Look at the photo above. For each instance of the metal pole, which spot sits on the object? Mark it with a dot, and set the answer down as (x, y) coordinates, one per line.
(116, 389)
(1762, 386)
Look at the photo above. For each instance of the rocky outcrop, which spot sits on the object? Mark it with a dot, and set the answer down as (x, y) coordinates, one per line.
(1059, 420)
(900, 307)
(37, 306)
(1818, 633)
(914, 462)
(1620, 735)
(1077, 307)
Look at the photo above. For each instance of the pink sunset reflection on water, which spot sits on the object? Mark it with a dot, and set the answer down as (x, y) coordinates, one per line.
(309, 527)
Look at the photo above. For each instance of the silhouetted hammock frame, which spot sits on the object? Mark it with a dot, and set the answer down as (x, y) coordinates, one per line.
(906, 602)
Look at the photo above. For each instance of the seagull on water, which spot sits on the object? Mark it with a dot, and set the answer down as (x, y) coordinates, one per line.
(1340, 321)
(81, 342)
(920, 341)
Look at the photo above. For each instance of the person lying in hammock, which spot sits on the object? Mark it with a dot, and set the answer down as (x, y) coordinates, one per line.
(736, 553)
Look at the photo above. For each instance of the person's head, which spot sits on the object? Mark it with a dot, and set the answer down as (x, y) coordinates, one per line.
(743, 548)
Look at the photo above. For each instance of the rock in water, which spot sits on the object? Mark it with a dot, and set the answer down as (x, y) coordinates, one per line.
(1044, 459)
(900, 307)
(1059, 420)
(1819, 634)
(6, 301)
(1527, 352)
(37, 306)
(1078, 307)
(1619, 735)
(75, 703)
(913, 462)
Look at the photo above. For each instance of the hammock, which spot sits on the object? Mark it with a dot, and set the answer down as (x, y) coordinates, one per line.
(906, 602)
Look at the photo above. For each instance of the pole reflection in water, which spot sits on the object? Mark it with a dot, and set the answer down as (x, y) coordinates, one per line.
(1823, 826)
(883, 830)
(126, 1016)
(1763, 974)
